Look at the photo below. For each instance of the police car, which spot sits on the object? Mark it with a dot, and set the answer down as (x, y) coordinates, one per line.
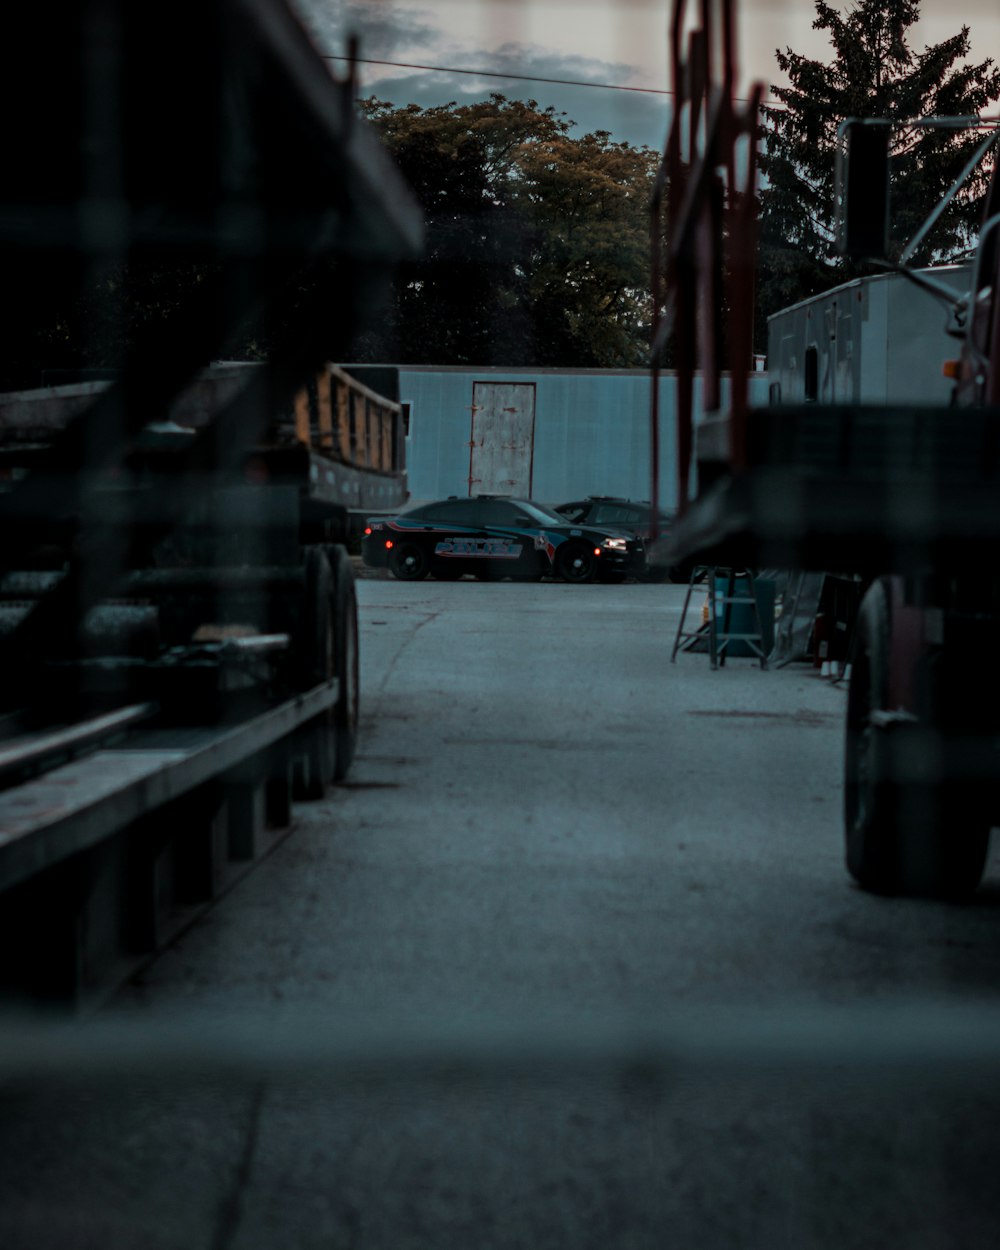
(631, 516)
(493, 537)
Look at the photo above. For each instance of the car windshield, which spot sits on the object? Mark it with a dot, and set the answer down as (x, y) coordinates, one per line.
(539, 512)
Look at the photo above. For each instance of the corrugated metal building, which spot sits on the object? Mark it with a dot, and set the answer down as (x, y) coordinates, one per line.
(548, 434)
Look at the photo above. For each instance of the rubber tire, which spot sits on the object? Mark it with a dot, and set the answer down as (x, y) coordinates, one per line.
(346, 711)
(567, 568)
(899, 841)
(408, 562)
(314, 661)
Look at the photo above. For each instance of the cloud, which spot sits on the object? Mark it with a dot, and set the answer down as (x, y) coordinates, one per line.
(385, 32)
(631, 116)
(519, 58)
(390, 33)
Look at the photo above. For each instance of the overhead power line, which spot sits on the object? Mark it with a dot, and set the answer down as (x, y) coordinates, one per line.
(495, 73)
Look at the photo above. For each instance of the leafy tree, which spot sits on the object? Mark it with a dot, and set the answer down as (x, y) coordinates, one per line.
(874, 73)
(589, 276)
(536, 241)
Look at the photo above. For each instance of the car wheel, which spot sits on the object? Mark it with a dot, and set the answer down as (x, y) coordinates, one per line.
(408, 562)
(576, 562)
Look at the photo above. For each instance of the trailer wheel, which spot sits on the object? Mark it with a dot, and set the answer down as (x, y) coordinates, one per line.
(576, 562)
(315, 661)
(408, 562)
(916, 838)
(345, 655)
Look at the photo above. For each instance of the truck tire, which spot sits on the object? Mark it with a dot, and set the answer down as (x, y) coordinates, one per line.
(345, 660)
(915, 838)
(314, 658)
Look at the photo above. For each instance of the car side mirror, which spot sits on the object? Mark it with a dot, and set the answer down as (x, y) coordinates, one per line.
(862, 188)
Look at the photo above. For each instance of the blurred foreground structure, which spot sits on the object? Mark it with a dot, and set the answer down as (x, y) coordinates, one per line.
(854, 467)
(178, 628)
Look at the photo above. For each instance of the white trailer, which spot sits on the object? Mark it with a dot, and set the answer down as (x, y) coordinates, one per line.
(875, 340)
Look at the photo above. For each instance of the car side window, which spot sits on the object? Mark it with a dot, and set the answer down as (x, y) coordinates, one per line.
(614, 514)
(498, 512)
(452, 512)
(576, 512)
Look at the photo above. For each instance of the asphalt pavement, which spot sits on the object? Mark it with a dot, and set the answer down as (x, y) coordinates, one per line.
(571, 960)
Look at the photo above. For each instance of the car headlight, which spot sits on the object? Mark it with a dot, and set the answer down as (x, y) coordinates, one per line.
(615, 544)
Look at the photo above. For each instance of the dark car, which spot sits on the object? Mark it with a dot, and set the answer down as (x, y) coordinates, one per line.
(635, 516)
(629, 517)
(494, 537)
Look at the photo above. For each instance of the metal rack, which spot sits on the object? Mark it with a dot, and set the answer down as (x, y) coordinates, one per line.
(712, 635)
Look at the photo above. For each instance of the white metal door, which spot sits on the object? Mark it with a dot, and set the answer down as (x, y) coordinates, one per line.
(502, 438)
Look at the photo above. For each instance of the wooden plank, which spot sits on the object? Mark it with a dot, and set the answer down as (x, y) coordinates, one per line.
(344, 421)
(386, 423)
(359, 388)
(303, 426)
(324, 410)
(359, 431)
(502, 439)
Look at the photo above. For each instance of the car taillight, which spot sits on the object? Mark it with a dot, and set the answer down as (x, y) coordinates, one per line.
(368, 530)
(388, 543)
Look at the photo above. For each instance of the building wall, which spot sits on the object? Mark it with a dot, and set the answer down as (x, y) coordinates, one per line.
(591, 437)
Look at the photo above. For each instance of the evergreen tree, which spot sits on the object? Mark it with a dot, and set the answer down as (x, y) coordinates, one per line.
(874, 73)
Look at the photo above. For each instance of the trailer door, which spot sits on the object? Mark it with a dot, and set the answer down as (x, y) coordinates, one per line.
(502, 438)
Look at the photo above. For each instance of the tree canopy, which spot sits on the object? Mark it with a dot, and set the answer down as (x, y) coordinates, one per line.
(537, 241)
(874, 73)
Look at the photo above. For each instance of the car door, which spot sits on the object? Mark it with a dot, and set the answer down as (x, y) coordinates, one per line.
(455, 535)
(513, 551)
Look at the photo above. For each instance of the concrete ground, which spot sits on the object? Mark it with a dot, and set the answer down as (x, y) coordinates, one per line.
(571, 960)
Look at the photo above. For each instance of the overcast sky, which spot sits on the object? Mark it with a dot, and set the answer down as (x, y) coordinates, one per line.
(622, 42)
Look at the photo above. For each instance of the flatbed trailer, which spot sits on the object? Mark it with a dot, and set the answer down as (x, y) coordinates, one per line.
(178, 621)
(901, 494)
